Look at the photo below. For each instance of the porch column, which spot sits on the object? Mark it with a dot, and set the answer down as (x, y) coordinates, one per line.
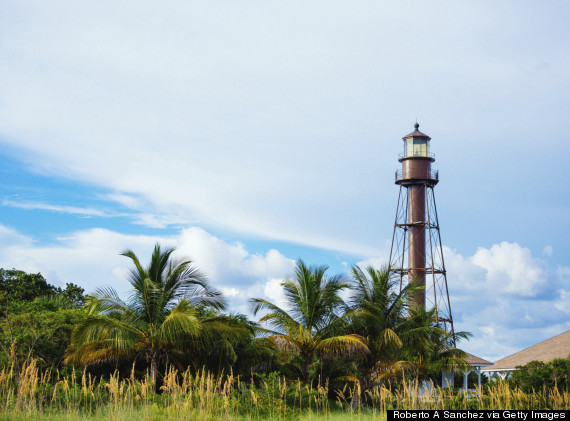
(479, 379)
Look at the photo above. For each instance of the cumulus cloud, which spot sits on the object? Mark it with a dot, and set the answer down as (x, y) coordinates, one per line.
(563, 301)
(503, 268)
(274, 291)
(506, 297)
(504, 307)
(88, 258)
(501, 294)
(376, 262)
(91, 259)
(228, 264)
(511, 268)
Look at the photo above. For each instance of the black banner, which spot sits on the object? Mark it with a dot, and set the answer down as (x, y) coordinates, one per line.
(502, 414)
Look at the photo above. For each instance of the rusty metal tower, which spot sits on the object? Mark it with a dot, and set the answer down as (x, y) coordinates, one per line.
(416, 251)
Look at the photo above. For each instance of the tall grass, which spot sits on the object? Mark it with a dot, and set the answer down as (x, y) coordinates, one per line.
(203, 396)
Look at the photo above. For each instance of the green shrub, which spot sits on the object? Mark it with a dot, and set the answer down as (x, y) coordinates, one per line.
(538, 375)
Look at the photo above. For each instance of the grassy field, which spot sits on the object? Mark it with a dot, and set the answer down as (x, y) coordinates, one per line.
(46, 396)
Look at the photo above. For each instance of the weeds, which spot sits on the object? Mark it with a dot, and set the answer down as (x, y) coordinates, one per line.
(203, 396)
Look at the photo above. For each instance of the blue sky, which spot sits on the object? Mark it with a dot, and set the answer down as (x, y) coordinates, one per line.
(249, 134)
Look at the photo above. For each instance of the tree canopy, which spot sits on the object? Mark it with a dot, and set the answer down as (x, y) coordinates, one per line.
(350, 330)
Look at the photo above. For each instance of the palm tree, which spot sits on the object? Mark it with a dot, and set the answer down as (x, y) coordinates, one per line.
(398, 337)
(239, 350)
(311, 323)
(437, 355)
(380, 314)
(161, 314)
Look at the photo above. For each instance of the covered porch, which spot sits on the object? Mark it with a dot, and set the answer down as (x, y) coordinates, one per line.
(476, 364)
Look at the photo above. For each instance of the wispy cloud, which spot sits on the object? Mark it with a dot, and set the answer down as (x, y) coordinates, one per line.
(257, 119)
(151, 220)
(73, 210)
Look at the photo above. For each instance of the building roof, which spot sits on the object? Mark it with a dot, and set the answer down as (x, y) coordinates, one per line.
(476, 361)
(555, 347)
(417, 134)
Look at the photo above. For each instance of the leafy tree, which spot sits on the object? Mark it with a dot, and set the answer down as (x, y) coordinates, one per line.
(73, 293)
(36, 318)
(21, 286)
(159, 318)
(312, 322)
(39, 329)
(18, 285)
(537, 375)
(560, 372)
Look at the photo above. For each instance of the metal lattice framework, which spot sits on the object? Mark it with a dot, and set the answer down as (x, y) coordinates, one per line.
(436, 292)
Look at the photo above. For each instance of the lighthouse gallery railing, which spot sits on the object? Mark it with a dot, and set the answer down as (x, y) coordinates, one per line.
(418, 174)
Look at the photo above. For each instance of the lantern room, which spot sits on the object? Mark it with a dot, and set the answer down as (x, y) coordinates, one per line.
(416, 145)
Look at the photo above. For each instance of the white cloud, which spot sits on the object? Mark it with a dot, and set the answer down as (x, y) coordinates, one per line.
(548, 250)
(563, 303)
(274, 291)
(229, 292)
(502, 321)
(32, 205)
(227, 264)
(266, 118)
(10, 237)
(505, 267)
(501, 294)
(507, 298)
(376, 262)
(88, 258)
(91, 259)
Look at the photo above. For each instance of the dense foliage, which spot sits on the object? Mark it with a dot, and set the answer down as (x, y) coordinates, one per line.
(538, 375)
(36, 319)
(18, 286)
(173, 319)
(170, 349)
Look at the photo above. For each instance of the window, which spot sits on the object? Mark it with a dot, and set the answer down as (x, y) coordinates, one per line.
(420, 147)
(408, 147)
(416, 147)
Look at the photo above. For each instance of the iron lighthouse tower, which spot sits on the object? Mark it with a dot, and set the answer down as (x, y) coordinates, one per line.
(416, 251)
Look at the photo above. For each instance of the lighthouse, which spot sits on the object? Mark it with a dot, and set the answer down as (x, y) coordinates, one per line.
(416, 252)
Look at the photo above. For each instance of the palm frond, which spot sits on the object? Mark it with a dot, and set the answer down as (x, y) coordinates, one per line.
(390, 338)
(346, 344)
(181, 321)
(103, 333)
(107, 301)
(285, 342)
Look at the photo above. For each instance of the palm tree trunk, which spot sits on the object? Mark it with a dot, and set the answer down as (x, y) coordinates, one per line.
(307, 368)
(355, 400)
(361, 387)
(154, 372)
